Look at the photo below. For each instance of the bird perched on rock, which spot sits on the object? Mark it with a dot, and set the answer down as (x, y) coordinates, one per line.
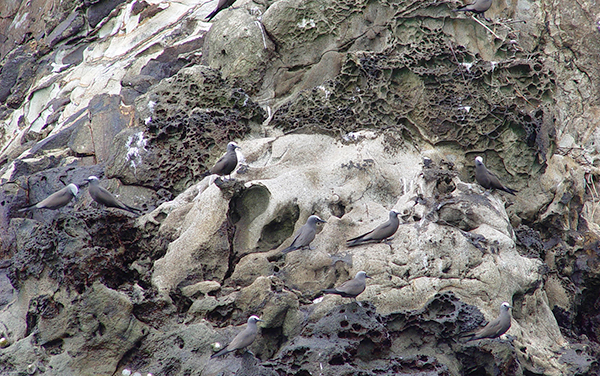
(494, 328)
(227, 163)
(222, 4)
(56, 200)
(105, 198)
(478, 7)
(380, 233)
(305, 234)
(243, 339)
(351, 288)
(487, 179)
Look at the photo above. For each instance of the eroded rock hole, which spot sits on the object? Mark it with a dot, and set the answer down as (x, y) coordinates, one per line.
(279, 229)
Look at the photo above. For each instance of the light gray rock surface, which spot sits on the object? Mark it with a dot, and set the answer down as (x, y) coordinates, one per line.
(335, 105)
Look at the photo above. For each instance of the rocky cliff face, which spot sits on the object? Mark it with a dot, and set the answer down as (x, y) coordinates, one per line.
(345, 109)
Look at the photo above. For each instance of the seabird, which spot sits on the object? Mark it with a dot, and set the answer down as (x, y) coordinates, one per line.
(222, 4)
(495, 328)
(243, 339)
(487, 179)
(227, 163)
(104, 197)
(56, 200)
(380, 233)
(478, 7)
(305, 234)
(351, 288)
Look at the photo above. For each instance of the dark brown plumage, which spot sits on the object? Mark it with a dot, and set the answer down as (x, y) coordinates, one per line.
(488, 179)
(222, 4)
(243, 339)
(227, 163)
(305, 234)
(496, 327)
(105, 198)
(380, 233)
(478, 7)
(351, 288)
(56, 200)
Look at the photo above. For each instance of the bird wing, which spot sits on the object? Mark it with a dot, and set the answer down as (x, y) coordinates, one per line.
(304, 237)
(491, 329)
(56, 200)
(384, 230)
(105, 197)
(222, 164)
(243, 339)
(494, 180)
(361, 237)
(379, 233)
(351, 287)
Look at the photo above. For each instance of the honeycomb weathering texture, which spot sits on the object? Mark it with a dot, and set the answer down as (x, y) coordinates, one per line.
(426, 88)
(350, 334)
(202, 113)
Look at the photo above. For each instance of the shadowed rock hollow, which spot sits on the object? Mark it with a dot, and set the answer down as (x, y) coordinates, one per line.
(345, 109)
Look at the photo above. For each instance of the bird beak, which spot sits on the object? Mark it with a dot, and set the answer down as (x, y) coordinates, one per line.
(323, 221)
(368, 276)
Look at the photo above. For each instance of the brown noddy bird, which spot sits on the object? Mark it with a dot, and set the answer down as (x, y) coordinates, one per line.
(478, 7)
(104, 197)
(222, 4)
(243, 339)
(305, 234)
(496, 327)
(487, 179)
(351, 288)
(380, 233)
(227, 163)
(56, 200)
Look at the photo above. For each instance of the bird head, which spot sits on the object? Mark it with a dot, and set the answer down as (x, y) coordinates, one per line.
(315, 219)
(232, 146)
(73, 189)
(505, 306)
(478, 161)
(394, 213)
(93, 179)
(253, 319)
(362, 275)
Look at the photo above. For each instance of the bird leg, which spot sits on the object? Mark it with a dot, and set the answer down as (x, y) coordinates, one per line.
(485, 18)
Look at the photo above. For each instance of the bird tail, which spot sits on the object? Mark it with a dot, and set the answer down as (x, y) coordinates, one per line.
(510, 190)
(288, 250)
(210, 17)
(463, 9)
(26, 208)
(133, 209)
(354, 242)
(466, 337)
(220, 353)
(331, 291)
